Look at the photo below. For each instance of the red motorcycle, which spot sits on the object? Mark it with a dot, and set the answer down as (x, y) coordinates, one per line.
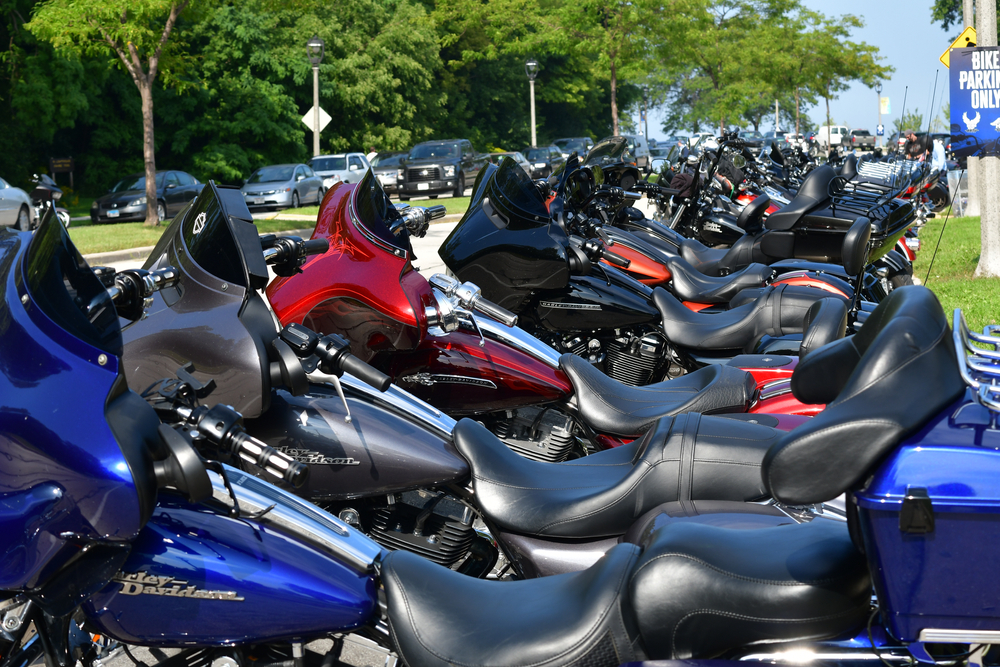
(444, 343)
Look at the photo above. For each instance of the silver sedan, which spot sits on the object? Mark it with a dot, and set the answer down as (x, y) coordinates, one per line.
(16, 209)
(283, 186)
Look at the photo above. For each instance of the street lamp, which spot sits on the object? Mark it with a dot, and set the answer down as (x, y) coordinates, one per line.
(531, 69)
(878, 91)
(315, 48)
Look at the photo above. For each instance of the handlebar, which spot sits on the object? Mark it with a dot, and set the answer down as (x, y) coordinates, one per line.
(223, 427)
(417, 218)
(279, 250)
(615, 258)
(334, 353)
(131, 290)
(470, 297)
(596, 252)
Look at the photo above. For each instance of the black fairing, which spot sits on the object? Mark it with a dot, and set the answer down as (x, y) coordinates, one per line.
(504, 243)
(589, 302)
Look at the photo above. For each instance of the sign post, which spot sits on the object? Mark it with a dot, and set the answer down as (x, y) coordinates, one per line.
(62, 165)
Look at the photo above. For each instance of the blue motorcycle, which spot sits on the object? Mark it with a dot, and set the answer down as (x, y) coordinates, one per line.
(112, 523)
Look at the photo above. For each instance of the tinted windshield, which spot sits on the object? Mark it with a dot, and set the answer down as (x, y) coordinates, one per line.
(65, 288)
(515, 196)
(435, 150)
(272, 174)
(328, 164)
(538, 154)
(609, 151)
(387, 160)
(375, 212)
(136, 183)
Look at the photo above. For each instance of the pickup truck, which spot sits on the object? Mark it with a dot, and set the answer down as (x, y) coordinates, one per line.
(439, 167)
(861, 139)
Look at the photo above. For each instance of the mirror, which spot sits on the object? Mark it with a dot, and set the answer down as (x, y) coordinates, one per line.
(171, 186)
(658, 164)
(354, 167)
(299, 177)
(738, 161)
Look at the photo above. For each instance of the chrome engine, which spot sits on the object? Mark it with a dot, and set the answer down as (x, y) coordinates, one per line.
(535, 433)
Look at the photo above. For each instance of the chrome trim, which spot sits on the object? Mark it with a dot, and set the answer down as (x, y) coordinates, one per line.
(395, 399)
(775, 388)
(290, 514)
(519, 339)
(935, 635)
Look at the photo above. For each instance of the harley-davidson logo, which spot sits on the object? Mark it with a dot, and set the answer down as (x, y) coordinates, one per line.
(141, 583)
(429, 379)
(199, 223)
(309, 456)
(569, 306)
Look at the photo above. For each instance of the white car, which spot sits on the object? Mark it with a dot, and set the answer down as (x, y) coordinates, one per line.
(700, 136)
(16, 209)
(340, 168)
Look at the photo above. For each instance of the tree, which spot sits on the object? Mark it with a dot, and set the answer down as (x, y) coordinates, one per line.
(911, 120)
(136, 32)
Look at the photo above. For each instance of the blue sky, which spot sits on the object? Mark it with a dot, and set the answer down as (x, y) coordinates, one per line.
(907, 40)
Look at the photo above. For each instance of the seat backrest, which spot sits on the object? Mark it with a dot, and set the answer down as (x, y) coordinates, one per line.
(815, 190)
(854, 251)
(881, 384)
(752, 213)
(850, 167)
(825, 322)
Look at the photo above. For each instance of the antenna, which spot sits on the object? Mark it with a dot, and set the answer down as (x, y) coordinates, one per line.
(930, 109)
(902, 114)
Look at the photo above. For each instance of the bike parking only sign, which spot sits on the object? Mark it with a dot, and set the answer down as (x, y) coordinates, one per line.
(975, 101)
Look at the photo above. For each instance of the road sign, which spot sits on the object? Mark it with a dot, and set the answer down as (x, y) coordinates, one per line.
(880, 130)
(966, 40)
(884, 105)
(309, 118)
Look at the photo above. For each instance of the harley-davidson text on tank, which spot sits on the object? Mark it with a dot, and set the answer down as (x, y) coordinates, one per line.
(141, 583)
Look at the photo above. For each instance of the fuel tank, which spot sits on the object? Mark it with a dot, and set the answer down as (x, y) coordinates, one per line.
(343, 459)
(458, 375)
(608, 299)
(196, 576)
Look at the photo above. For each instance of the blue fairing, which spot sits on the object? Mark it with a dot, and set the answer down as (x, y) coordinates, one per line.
(227, 581)
(64, 481)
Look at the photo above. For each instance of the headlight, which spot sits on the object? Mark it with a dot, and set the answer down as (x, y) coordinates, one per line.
(400, 174)
(93, 206)
(539, 165)
(449, 171)
(137, 202)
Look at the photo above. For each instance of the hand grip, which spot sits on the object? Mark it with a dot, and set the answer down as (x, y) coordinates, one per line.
(315, 246)
(367, 374)
(435, 212)
(498, 313)
(271, 460)
(615, 258)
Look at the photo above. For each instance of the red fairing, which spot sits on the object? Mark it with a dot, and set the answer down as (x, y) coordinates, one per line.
(643, 268)
(786, 404)
(745, 198)
(765, 372)
(470, 379)
(358, 289)
(807, 281)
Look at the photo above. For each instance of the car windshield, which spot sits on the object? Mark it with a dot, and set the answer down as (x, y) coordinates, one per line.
(614, 149)
(328, 164)
(538, 154)
(861, 132)
(387, 160)
(135, 183)
(272, 174)
(434, 150)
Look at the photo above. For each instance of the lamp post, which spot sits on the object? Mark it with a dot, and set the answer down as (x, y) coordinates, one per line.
(878, 91)
(531, 69)
(315, 48)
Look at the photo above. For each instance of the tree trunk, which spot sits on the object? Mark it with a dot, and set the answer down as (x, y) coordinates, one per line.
(989, 165)
(148, 153)
(797, 131)
(827, 98)
(614, 99)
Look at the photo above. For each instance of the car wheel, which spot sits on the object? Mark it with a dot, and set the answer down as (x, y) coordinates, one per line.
(319, 196)
(295, 200)
(23, 220)
(460, 187)
(161, 210)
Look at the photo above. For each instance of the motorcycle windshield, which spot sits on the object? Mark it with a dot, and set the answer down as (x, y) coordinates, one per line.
(376, 214)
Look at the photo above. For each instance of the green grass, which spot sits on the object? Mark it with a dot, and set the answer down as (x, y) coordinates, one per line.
(452, 204)
(78, 206)
(90, 238)
(951, 276)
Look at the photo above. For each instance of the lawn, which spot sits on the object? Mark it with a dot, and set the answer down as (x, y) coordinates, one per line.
(951, 275)
(90, 238)
(452, 204)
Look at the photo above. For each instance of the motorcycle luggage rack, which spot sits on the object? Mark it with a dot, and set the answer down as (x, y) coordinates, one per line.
(979, 366)
(856, 199)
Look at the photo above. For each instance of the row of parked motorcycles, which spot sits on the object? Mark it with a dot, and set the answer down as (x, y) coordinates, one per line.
(596, 440)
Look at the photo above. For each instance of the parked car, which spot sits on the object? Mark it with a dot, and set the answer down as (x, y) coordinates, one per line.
(579, 145)
(516, 156)
(829, 136)
(15, 208)
(752, 138)
(639, 148)
(284, 186)
(126, 201)
(861, 139)
(544, 160)
(385, 166)
(438, 167)
(700, 137)
(339, 168)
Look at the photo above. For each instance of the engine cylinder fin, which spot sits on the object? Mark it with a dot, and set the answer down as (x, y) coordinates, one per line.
(442, 541)
(628, 367)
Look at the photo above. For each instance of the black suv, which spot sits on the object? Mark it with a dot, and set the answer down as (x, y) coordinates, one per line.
(544, 160)
(438, 167)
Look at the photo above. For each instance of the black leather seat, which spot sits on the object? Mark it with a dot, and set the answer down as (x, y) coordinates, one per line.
(780, 310)
(814, 191)
(608, 406)
(439, 618)
(688, 456)
(825, 322)
(690, 284)
(700, 590)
